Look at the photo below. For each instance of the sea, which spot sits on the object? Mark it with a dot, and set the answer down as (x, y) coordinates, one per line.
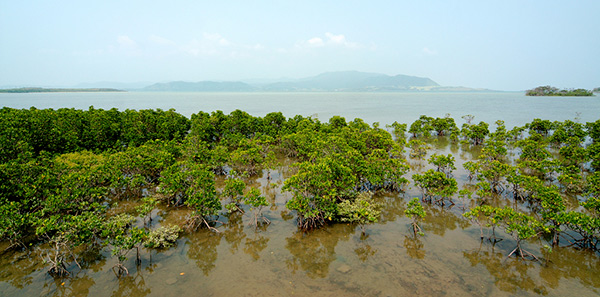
(514, 108)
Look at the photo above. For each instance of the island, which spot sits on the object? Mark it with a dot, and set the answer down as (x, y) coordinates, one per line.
(552, 91)
(57, 90)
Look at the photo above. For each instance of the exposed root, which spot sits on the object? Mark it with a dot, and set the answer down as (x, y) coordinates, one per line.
(121, 270)
(416, 229)
(195, 222)
(255, 221)
(522, 253)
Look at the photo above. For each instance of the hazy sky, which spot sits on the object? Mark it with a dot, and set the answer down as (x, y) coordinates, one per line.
(504, 45)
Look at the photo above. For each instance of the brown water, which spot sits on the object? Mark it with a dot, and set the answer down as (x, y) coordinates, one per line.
(278, 260)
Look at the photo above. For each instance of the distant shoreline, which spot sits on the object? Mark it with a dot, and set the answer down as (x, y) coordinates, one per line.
(58, 90)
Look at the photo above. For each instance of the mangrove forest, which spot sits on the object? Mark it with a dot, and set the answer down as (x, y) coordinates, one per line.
(82, 186)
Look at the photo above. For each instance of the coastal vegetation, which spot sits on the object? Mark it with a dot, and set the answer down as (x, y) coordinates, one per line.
(65, 174)
(553, 91)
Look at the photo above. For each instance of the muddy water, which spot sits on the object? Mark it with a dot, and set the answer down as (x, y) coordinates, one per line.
(278, 260)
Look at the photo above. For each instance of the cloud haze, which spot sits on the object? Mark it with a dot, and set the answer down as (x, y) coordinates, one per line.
(513, 46)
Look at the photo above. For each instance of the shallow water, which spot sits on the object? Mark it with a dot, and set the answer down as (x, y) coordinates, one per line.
(276, 260)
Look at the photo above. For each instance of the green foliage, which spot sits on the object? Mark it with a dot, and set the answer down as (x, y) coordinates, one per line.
(63, 171)
(380, 172)
(565, 131)
(13, 221)
(552, 91)
(593, 152)
(587, 226)
(124, 237)
(515, 134)
(422, 126)
(234, 189)
(399, 131)
(535, 158)
(418, 149)
(494, 172)
(162, 237)
(250, 156)
(444, 164)
(436, 184)
(257, 202)
(542, 91)
(475, 134)
(522, 185)
(65, 233)
(494, 150)
(338, 162)
(444, 126)
(484, 191)
(517, 224)
(194, 185)
(33, 131)
(472, 168)
(140, 167)
(593, 185)
(570, 178)
(145, 209)
(415, 211)
(361, 210)
(316, 188)
(593, 130)
(484, 215)
(542, 127)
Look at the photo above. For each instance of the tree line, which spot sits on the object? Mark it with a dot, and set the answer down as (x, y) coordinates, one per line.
(553, 91)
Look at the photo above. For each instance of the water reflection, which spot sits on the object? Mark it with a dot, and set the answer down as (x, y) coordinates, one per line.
(17, 268)
(91, 257)
(202, 248)
(253, 246)
(82, 285)
(286, 215)
(569, 263)
(234, 232)
(414, 246)
(132, 286)
(441, 219)
(56, 287)
(313, 252)
(363, 249)
(393, 207)
(510, 275)
(417, 166)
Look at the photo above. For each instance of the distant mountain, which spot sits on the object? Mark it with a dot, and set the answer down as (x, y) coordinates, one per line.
(113, 85)
(341, 81)
(202, 86)
(352, 81)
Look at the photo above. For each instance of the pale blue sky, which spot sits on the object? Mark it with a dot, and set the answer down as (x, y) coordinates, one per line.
(503, 45)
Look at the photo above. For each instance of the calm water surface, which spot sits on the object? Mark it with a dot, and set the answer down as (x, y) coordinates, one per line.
(278, 260)
(512, 107)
